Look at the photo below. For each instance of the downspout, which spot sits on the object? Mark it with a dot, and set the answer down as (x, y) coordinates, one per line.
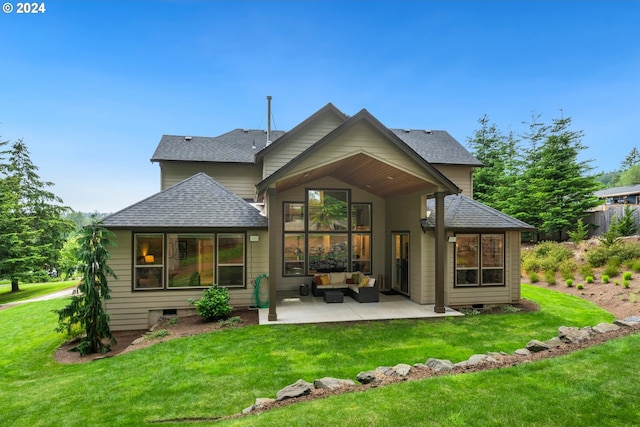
(273, 250)
(441, 248)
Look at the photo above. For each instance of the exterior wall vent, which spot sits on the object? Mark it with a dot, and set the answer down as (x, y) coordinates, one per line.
(188, 138)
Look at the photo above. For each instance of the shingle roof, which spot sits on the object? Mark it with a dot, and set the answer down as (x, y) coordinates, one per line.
(618, 191)
(198, 201)
(462, 212)
(437, 146)
(236, 146)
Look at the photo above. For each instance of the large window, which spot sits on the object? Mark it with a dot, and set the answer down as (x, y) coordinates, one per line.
(334, 236)
(480, 260)
(192, 260)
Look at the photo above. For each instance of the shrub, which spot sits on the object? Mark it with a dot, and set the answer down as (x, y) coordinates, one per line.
(635, 266)
(627, 275)
(569, 283)
(605, 278)
(581, 232)
(530, 264)
(633, 298)
(616, 282)
(160, 333)
(586, 270)
(598, 256)
(533, 277)
(230, 321)
(568, 268)
(550, 277)
(626, 284)
(611, 270)
(588, 279)
(580, 286)
(214, 305)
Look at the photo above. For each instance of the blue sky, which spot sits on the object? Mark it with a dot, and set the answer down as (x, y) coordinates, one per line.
(91, 86)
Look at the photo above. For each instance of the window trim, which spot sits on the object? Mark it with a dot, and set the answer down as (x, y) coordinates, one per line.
(479, 261)
(164, 265)
(350, 231)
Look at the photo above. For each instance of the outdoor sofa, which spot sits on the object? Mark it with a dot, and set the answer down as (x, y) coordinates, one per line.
(354, 284)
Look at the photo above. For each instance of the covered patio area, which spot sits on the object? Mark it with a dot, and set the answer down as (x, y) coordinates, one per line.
(309, 309)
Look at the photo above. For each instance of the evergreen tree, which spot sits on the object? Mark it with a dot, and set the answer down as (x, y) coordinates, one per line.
(497, 152)
(32, 230)
(558, 188)
(86, 309)
(632, 159)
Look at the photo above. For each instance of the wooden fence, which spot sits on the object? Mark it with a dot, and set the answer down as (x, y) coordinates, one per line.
(601, 220)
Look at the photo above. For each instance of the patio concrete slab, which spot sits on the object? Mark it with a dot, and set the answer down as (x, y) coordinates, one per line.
(309, 309)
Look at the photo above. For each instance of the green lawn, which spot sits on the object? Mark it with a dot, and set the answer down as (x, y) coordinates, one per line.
(32, 290)
(220, 373)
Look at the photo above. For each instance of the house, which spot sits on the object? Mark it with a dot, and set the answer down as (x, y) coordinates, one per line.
(627, 195)
(336, 192)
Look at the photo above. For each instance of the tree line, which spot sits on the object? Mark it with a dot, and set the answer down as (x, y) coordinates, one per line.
(535, 176)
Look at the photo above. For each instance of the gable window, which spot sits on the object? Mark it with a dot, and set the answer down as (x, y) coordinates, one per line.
(334, 236)
(192, 260)
(480, 260)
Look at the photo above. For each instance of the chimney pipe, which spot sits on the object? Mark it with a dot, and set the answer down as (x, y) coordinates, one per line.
(268, 120)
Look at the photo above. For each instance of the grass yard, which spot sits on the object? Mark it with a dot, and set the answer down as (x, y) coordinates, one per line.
(32, 290)
(220, 373)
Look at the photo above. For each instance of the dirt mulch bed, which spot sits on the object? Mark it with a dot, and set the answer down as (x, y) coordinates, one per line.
(128, 341)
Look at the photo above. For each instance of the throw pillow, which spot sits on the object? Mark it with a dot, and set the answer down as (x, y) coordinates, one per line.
(317, 280)
(349, 281)
(325, 279)
(371, 283)
(355, 277)
(363, 282)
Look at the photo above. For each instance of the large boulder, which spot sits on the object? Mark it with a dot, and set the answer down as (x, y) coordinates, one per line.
(329, 383)
(439, 365)
(571, 334)
(536, 346)
(297, 389)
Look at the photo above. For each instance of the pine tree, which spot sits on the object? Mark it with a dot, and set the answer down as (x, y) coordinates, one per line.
(32, 229)
(497, 152)
(558, 186)
(86, 308)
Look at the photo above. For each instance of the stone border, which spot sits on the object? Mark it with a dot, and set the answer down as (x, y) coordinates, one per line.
(385, 375)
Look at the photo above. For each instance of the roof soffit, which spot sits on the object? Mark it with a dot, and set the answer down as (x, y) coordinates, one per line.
(375, 167)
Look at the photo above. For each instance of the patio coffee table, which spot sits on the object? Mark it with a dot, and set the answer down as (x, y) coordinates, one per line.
(333, 296)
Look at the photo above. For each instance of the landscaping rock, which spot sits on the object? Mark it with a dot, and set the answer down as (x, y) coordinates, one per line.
(384, 370)
(439, 365)
(575, 335)
(331, 383)
(366, 377)
(522, 352)
(297, 389)
(554, 342)
(260, 403)
(602, 328)
(536, 346)
(402, 369)
(628, 321)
